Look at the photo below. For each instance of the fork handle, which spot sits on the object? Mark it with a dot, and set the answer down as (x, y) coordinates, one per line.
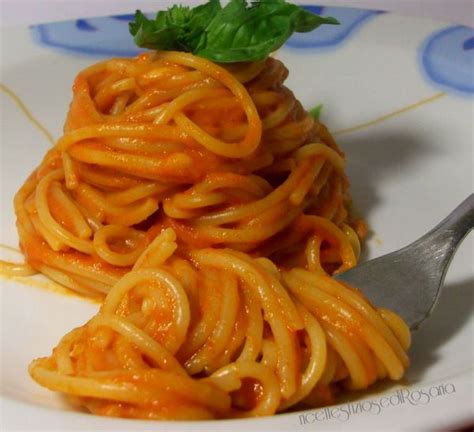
(439, 245)
(434, 252)
(454, 228)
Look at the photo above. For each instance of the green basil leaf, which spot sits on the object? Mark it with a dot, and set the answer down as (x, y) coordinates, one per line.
(178, 28)
(199, 20)
(241, 33)
(154, 34)
(316, 111)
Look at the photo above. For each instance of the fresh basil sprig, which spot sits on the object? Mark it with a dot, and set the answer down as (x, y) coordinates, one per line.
(234, 33)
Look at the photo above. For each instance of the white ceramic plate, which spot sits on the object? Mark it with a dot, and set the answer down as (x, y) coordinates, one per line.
(408, 169)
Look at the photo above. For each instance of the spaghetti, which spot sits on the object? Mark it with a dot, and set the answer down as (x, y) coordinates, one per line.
(227, 157)
(214, 333)
(209, 210)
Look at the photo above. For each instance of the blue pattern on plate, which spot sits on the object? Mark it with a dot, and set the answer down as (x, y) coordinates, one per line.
(109, 36)
(331, 35)
(84, 25)
(100, 37)
(447, 58)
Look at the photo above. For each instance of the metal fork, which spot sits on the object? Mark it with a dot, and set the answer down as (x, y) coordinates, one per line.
(409, 281)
